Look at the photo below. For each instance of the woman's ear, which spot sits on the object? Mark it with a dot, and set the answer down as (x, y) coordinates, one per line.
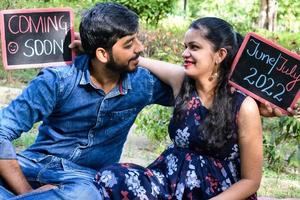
(102, 55)
(222, 53)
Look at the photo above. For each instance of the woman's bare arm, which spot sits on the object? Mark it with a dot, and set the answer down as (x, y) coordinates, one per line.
(251, 153)
(170, 74)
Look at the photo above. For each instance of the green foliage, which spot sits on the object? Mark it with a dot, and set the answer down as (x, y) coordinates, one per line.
(245, 14)
(153, 122)
(242, 15)
(151, 11)
(5, 4)
(26, 139)
(163, 44)
(290, 41)
(282, 143)
(288, 15)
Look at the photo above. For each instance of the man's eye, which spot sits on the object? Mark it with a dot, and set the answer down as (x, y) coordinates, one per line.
(128, 46)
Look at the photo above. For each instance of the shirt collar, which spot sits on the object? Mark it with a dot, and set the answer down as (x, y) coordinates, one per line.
(84, 64)
(125, 83)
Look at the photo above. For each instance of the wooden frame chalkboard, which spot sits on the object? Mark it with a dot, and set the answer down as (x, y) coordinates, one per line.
(34, 38)
(267, 72)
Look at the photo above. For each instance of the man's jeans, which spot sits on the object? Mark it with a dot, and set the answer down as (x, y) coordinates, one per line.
(73, 182)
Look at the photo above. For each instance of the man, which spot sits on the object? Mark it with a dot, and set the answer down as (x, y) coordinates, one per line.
(86, 110)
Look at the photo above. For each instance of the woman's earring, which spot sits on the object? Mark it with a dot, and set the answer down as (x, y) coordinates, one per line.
(213, 76)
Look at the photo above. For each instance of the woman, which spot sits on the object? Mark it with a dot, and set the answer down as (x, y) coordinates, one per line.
(217, 135)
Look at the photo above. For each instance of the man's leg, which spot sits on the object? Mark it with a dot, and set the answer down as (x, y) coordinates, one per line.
(70, 191)
(73, 182)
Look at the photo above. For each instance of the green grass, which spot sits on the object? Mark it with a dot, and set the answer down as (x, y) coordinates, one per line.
(279, 185)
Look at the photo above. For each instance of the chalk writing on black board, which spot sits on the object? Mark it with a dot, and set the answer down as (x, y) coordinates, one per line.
(36, 37)
(267, 72)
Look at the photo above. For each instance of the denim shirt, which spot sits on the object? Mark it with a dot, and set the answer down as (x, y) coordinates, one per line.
(79, 122)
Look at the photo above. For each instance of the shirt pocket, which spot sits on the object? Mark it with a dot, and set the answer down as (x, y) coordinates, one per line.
(119, 122)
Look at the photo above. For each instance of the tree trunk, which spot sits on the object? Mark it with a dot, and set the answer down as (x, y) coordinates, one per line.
(184, 5)
(268, 14)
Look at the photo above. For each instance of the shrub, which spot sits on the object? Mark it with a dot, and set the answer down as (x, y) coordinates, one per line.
(151, 11)
(163, 44)
(153, 122)
(166, 45)
(281, 143)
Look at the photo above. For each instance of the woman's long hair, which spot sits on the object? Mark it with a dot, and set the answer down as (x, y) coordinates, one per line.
(217, 128)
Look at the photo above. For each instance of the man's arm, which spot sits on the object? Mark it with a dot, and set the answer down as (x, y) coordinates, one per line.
(10, 171)
(36, 102)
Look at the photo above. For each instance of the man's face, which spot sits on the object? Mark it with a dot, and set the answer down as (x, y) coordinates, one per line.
(124, 54)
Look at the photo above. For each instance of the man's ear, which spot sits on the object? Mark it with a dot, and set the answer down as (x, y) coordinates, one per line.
(102, 55)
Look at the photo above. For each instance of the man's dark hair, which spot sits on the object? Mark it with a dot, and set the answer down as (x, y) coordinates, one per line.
(104, 24)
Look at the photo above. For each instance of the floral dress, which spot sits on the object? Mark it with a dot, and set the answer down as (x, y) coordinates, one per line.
(184, 170)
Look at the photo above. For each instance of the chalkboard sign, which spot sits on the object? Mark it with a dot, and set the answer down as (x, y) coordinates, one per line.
(267, 72)
(36, 37)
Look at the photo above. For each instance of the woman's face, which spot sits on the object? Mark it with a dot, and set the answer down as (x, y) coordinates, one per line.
(199, 56)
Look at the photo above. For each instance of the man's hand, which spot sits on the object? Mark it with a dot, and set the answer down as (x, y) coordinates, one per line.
(267, 111)
(11, 173)
(45, 188)
(76, 44)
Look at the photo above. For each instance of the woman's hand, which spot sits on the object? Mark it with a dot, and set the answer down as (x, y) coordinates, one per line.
(76, 44)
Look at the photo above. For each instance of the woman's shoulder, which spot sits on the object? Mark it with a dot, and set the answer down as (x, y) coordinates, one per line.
(245, 102)
(249, 105)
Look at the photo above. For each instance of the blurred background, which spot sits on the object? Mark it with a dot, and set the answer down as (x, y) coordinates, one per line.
(163, 24)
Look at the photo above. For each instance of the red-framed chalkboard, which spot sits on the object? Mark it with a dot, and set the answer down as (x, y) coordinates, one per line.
(34, 38)
(267, 72)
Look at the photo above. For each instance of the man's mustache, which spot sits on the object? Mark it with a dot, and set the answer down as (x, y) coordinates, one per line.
(135, 57)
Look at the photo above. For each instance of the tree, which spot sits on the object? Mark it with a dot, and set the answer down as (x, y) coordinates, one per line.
(268, 14)
(184, 5)
(151, 11)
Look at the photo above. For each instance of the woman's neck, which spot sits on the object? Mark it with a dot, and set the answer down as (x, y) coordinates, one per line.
(206, 91)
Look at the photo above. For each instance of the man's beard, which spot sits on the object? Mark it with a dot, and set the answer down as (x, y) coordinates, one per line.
(119, 68)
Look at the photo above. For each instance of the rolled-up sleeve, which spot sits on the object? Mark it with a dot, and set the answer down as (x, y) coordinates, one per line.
(35, 103)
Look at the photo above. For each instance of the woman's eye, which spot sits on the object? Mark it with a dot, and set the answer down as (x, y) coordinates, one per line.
(194, 47)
